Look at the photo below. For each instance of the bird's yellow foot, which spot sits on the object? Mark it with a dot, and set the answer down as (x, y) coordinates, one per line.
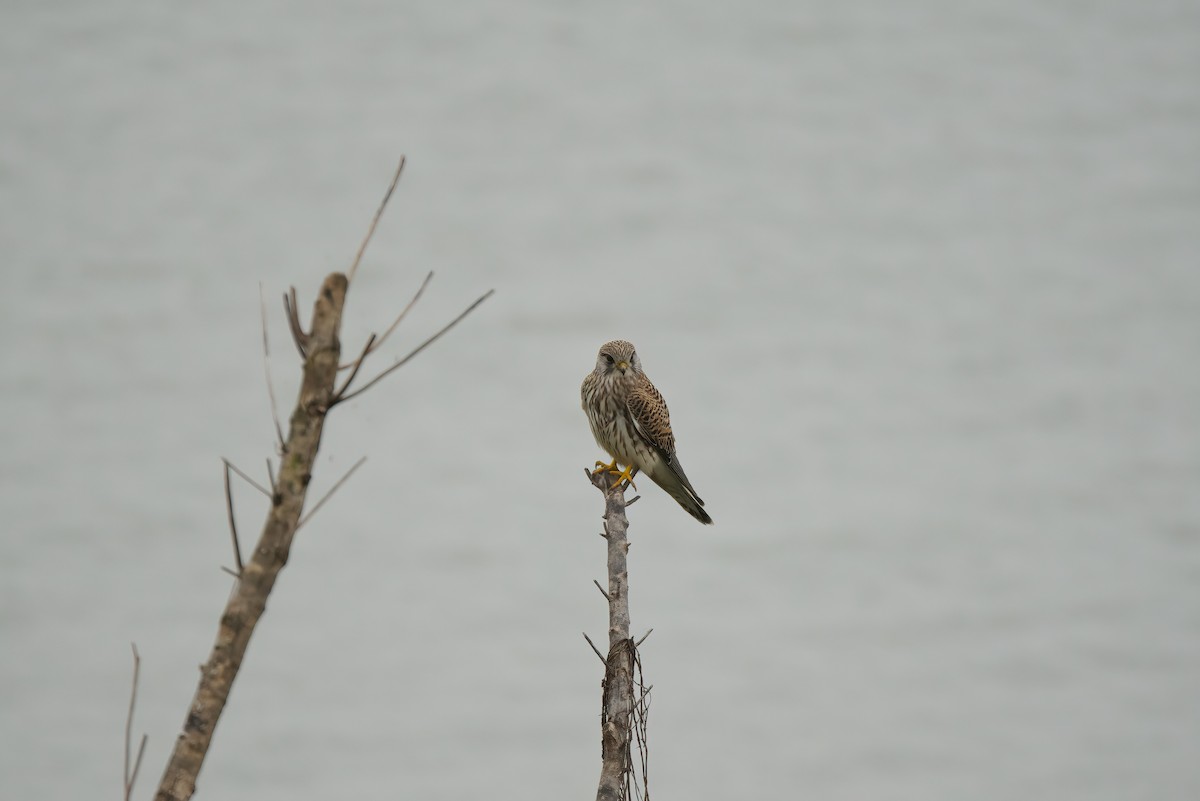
(608, 468)
(624, 475)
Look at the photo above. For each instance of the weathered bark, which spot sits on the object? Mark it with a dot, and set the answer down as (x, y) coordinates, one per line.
(616, 729)
(322, 350)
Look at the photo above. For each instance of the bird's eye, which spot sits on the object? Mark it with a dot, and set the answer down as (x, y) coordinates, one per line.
(608, 358)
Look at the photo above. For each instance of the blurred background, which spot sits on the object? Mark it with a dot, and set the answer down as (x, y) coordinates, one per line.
(919, 282)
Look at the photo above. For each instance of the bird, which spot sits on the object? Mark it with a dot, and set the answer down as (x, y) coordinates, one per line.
(630, 422)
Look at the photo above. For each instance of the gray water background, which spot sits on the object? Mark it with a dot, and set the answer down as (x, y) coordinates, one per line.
(919, 281)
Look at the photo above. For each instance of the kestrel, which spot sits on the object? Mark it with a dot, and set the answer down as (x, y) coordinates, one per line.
(630, 421)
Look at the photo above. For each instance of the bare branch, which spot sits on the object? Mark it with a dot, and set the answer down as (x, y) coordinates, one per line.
(420, 347)
(246, 478)
(292, 310)
(248, 600)
(237, 549)
(375, 221)
(329, 494)
(262, 302)
(638, 644)
(320, 349)
(602, 592)
(357, 363)
(395, 323)
(594, 648)
(641, 712)
(131, 775)
(619, 721)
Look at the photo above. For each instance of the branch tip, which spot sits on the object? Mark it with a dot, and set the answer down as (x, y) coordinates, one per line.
(237, 549)
(375, 221)
(291, 309)
(262, 303)
(130, 775)
(595, 649)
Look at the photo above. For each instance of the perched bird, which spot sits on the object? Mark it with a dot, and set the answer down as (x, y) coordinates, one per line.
(629, 420)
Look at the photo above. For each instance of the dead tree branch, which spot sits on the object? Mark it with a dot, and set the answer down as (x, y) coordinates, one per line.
(375, 221)
(262, 306)
(595, 650)
(328, 495)
(231, 466)
(291, 308)
(237, 548)
(249, 598)
(320, 350)
(407, 358)
(619, 717)
(374, 344)
(132, 772)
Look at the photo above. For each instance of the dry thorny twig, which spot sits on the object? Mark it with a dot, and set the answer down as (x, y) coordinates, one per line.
(237, 549)
(300, 338)
(262, 306)
(131, 773)
(641, 711)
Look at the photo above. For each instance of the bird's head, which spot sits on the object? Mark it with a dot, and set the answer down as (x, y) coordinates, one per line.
(617, 358)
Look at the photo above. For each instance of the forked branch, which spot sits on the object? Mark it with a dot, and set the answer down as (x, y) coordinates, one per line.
(375, 344)
(408, 357)
(320, 350)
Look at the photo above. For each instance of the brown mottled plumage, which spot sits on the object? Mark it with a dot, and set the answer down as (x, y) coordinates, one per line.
(630, 421)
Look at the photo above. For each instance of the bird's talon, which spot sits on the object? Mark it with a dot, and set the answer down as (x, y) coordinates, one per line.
(624, 475)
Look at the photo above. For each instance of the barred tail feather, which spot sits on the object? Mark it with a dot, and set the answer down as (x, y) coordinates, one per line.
(680, 489)
(692, 505)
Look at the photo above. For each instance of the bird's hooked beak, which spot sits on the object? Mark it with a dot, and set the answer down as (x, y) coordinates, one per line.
(622, 366)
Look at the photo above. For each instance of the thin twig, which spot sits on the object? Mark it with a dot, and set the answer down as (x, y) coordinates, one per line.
(633, 500)
(641, 714)
(233, 573)
(644, 636)
(395, 323)
(131, 776)
(237, 549)
(379, 213)
(270, 474)
(594, 648)
(292, 310)
(357, 363)
(247, 478)
(602, 591)
(262, 302)
(419, 348)
(329, 494)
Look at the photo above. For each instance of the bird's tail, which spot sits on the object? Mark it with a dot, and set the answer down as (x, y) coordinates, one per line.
(679, 488)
